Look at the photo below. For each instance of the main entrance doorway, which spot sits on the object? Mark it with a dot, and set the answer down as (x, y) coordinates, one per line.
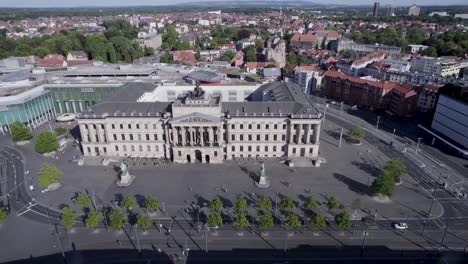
(198, 155)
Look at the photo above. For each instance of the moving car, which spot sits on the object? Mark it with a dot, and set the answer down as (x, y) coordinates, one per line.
(400, 226)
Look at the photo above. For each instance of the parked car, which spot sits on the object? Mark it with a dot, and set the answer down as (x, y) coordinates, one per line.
(443, 184)
(212, 227)
(400, 226)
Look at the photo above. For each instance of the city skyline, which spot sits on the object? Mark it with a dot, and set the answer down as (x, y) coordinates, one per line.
(116, 3)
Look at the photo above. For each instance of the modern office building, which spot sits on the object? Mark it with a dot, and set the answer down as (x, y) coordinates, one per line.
(375, 11)
(451, 114)
(414, 10)
(33, 108)
(274, 120)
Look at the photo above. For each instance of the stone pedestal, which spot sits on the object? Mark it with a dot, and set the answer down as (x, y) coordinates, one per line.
(125, 179)
(264, 182)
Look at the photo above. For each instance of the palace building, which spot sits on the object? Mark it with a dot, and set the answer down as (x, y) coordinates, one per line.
(205, 125)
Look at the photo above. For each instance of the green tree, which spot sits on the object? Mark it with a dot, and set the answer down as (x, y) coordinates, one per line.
(19, 131)
(46, 141)
(97, 46)
(83, 200)
(318, 222)
(128, 202)
(384, 184)
(292, 58)
(68, 217)
(151, 203)
(286, 203)
(264, 204)
(396, 168)
(116, 218)
(430, 52)
(48, 175)
(333, 203)
(415, 35)
(111, 54)
(266, 221)
(240, 221)
(216, 204)
(311, 204)
(143, 221)
(166, 58)
(343, 220)
(258, 43)
(214, 218)
(250, 54)
(240, 205)
(3, 213)
(293, 221)
(356, 132)
(228, 55)
(93, 218)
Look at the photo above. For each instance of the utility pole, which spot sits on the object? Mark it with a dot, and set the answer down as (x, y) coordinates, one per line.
(206, 238)
(378, 121)
(138, 240)
(443, 237)
(432, 204)
(365, 233)
(417, 146)
(60, 243)
(341, 136)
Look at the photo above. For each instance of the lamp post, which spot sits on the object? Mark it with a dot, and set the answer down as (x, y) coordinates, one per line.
(365, 234)
(378, 121)
(341, 136)
(432, 204)
(394, 130)
(325, 112)
(417, 146)
(443, 237)
(341, 107)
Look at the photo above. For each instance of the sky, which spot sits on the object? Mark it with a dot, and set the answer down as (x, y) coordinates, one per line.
(110, 3)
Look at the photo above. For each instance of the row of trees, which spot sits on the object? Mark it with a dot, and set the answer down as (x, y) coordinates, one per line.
(46, 141)
(384, 184)
(114, 45)
(286, 204)
(447, 44)
(115, 217)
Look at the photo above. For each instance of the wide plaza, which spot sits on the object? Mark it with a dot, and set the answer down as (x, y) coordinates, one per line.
(347, 174)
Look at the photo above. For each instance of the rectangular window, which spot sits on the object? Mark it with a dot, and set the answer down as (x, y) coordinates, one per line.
(125, 147)
(233, 137)
(129, 126)
(156, 148)
(241, 126)
(250, 126)
(294, 150)
(148, 148)
(146, 126)
(258, 137)
(131, 136)
(138, 126)
(180, 153)
(115, 137)
(249, 148)
(241, 137)
(113, 126)
(284, 126)
(275, 137)
(123, 136)
(233, 126)
(250, 137)
(216, 153)
(139, 137)
(147, 137)
(155, 136)
(267, 126)
(154, 126)
(116, 148)
(121, 126)
(140, 148)
(276, 126)
(105, 149)
(133, 148)
(258, 148)
(258, 126)
(266, 148)
(89, 150)
(274, 148)
(241, 148)
(233, 148)
(283, 137)
(267, 137)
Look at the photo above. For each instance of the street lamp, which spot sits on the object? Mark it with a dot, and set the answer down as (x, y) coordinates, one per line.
(417, 146)
(341, 136)
(325, 112)
(432, 204)
(365, 234)
(378, 120)
(341, 107)
(394, 130)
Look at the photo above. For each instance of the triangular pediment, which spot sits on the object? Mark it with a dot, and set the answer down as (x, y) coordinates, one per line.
(196, 118)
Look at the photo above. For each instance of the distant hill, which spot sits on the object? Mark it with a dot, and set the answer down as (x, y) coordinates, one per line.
(254, 3)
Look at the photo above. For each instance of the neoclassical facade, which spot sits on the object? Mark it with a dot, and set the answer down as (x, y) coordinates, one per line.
(275, 120)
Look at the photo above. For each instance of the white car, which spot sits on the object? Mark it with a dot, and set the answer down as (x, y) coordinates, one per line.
(211, 227)
(400, 226)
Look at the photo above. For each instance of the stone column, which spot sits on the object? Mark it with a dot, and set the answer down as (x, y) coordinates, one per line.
(202, 136)
(174, 135)
(184, 134)
(211, 135)
(307, 134)
(192, 137)
(299, 133)
(317, 133)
